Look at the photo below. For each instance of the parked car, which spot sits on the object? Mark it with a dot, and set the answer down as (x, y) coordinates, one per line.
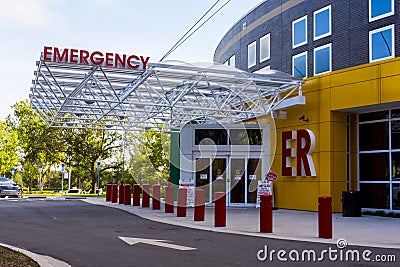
(75, 191)
(9, 188)
(98, 191)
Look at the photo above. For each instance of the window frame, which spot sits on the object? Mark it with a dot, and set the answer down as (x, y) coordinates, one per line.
(391, 13)
(330, 23)
(330, 58)
(255, 54)
(305, 26)
(267, 36)
(231, 60)
(391, 27)
(297, 56)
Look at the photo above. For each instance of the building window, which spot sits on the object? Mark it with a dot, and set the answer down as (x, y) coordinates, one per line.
(251, 54)
(299, 65)
(380, 9)
(322, 23)
(381, 43)
(211, 137)
(379, 159)
(231, 61)
(265, 47)
(323, 59)
(299, 32)
(245, 136)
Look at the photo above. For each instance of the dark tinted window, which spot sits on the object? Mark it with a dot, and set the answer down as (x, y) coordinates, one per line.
(245, 136)
(373, 116)
(395, 113)
(374, 167)
(374, 136)
(375, 196)
(395, 134)
(211, 137)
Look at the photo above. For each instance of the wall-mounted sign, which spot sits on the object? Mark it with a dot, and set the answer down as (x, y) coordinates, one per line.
(96, 58)
(203, 176)
(252, 177)
(271, 176)
(305, 144)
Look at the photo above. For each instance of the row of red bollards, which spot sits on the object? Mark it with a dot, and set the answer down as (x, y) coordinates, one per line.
(266, 222)
(122, 194)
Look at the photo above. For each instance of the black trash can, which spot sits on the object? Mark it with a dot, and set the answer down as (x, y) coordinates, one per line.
(351, 203)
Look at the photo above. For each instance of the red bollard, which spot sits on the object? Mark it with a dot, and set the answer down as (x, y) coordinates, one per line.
(266, 213)
(121, 199)
(325, 217)
(156, 197)
(114, 193)
(220, 209)
(127, 194)
(182, 202)
(145, 196)
(108, 192)
(169, 199)
(199, 204)
(136, 195)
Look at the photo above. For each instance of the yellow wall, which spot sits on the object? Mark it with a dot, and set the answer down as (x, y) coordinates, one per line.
(326, 97)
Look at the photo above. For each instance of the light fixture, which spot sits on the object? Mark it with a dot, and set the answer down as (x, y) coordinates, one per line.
(303, 118)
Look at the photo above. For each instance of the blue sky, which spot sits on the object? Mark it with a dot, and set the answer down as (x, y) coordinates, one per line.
(139, 27)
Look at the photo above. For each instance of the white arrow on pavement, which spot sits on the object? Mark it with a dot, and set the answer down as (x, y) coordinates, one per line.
(155, 242)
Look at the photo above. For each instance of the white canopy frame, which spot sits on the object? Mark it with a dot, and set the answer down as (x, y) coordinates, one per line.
(165, 96)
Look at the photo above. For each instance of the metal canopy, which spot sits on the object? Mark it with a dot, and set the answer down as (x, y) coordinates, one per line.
(165, 96)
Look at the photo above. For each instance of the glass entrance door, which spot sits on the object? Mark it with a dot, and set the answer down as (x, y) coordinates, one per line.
(203, 175)
(211, 175)
(237, 181)
(253, 176)
(218, 175)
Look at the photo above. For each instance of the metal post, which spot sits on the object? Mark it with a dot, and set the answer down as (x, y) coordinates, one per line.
(98, 178)
(40, 178)
(123, 155)
(69, 177)
(62, 178)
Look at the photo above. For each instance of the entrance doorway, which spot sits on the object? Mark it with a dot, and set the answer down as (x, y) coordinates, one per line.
(237, 176)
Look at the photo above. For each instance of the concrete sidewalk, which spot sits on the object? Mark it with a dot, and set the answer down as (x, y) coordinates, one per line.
(371, 231)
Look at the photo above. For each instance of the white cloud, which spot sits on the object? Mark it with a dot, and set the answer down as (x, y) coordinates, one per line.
(24, 13)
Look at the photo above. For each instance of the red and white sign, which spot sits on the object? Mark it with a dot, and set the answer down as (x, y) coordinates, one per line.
(305, 144)
(271, 176)
(95, 58)
(264, 188)
(190, 192)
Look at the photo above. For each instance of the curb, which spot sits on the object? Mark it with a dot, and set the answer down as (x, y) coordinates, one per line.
(42, 260)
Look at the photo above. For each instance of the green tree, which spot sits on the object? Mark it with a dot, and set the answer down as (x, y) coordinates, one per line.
(8, 149)
(29, 128)
(149, 157)
(80, 149)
